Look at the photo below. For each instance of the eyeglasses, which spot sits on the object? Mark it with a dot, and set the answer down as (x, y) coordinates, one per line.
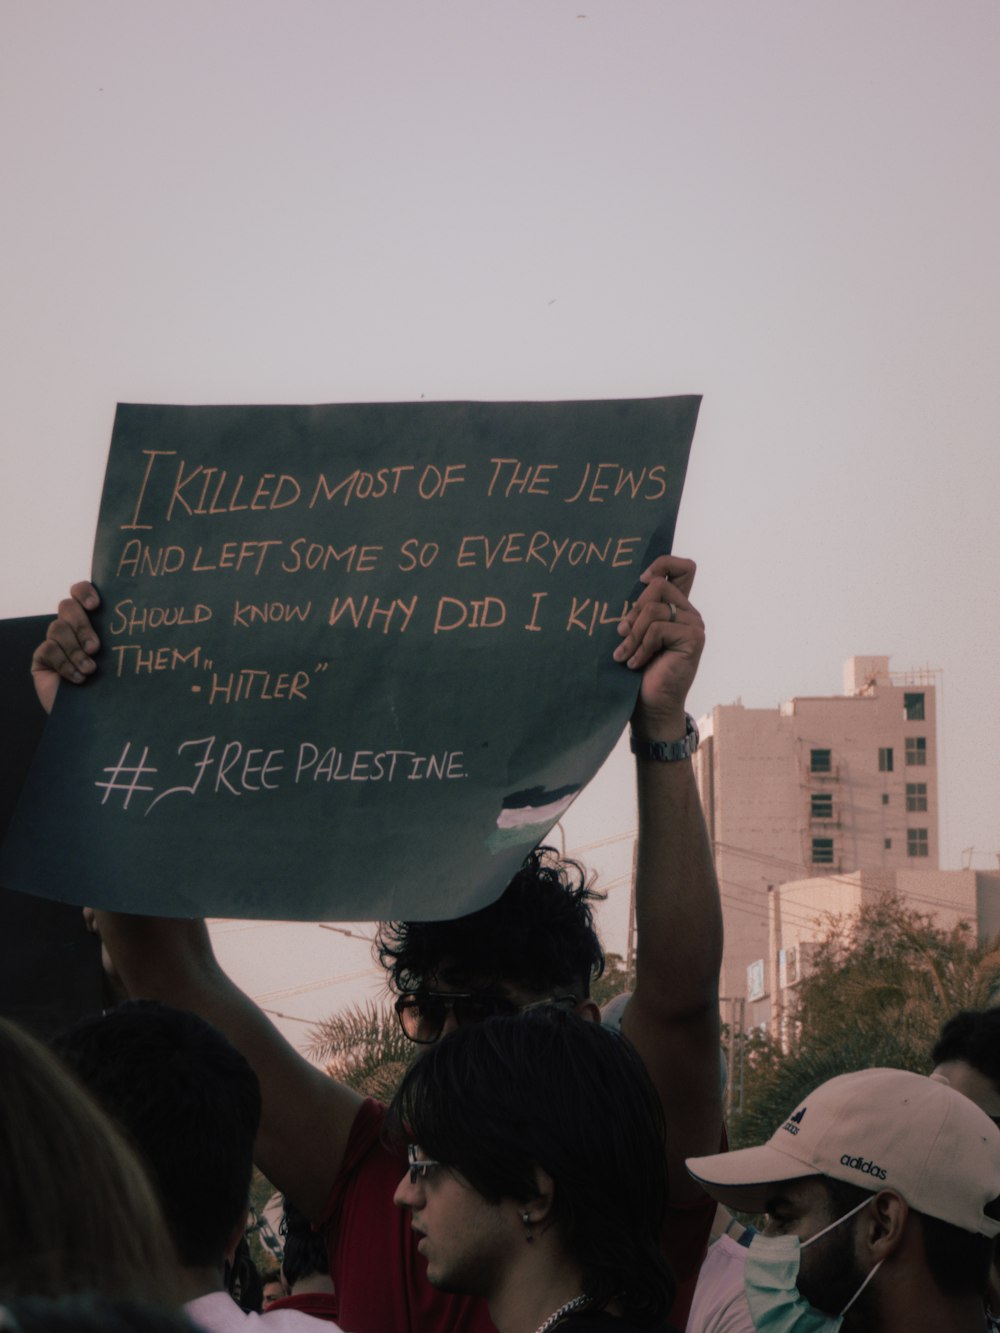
(423, 1013)
(419, 1166)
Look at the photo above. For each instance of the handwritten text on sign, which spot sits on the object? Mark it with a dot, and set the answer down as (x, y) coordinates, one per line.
(364, 627)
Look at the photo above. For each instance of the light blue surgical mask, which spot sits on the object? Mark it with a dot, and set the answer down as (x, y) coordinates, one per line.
(771, 1281)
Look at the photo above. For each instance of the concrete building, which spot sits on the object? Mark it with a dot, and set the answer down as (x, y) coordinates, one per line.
(816, 787)
(800, 913)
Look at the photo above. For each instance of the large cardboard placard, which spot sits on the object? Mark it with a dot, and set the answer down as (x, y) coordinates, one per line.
(50, 966)
(356, 659)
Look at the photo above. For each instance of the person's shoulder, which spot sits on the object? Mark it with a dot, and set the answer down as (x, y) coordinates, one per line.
(321, 1305)
(289, 1321)
(218, 1313)
(725, 1252)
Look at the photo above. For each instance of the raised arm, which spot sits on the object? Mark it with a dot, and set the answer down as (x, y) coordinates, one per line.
(673, 1015)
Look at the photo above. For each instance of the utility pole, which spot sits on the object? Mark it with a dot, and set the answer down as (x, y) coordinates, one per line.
(777, 996)
(630, 941)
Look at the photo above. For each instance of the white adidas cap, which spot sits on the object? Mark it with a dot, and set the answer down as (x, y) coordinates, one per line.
(878, 1129)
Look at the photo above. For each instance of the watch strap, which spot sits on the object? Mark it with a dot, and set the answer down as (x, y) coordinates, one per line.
(669, 752)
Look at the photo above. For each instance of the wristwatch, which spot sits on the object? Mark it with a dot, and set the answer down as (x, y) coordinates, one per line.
(667, 752)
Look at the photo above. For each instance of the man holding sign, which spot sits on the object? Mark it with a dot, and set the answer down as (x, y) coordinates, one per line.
(319, 1142)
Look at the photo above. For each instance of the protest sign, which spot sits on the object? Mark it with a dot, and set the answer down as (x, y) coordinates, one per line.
(356, 659)
(50, 966)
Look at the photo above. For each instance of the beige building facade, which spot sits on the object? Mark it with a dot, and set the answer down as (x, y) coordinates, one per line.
(817, 787)
(800, 914)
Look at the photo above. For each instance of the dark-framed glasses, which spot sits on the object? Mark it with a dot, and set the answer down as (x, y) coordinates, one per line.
(419, 1166)
(422, 1014)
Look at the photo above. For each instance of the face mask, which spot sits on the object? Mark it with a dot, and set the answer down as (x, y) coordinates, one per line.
(771, 1282)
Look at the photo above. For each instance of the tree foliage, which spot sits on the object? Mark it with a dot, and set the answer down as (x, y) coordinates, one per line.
(612, 981)
(880, 985)
(364, 1047)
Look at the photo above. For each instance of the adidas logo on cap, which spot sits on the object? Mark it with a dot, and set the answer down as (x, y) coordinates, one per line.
(863, 1165)
(793, 1122)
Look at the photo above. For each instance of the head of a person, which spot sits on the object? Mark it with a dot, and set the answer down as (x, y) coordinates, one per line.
(305, 1251)
(77, 1210)
(273, 1287)
(547, 1136)
(877, 1167)
(967, 1056)
(536, 942)
(189, 1103)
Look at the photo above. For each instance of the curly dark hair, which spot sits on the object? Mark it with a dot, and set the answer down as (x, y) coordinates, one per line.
(537, 935)
(494, 1099)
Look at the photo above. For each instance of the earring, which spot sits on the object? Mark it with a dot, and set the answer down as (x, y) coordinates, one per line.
(528, 1234)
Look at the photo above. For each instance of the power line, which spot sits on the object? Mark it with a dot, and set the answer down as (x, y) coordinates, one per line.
(322, 984)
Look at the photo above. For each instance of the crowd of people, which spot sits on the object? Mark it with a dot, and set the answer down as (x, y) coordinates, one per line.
(537, 1168)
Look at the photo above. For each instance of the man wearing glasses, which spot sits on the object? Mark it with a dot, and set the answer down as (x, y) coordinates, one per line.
(517, 1191)
(320, 1143)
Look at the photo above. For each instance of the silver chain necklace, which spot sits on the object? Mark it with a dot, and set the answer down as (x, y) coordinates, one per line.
(556, 1315)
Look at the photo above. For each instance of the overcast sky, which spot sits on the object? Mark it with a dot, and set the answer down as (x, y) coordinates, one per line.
(790, 208)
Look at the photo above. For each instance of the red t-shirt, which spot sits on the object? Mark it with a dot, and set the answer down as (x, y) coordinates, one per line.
(381, 1280)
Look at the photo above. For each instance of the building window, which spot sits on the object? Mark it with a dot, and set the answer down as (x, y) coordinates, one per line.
(916, 842)
(885, 798)
(822, 851)
(916, 751)
(821, 805)
(885, 759)
(820, 761)
(887, 844)
(916, 796)
(913, 707)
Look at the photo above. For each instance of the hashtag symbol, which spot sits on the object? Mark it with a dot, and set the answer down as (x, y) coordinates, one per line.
(124, 777)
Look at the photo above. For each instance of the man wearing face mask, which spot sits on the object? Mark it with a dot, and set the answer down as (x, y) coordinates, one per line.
(882, 1195)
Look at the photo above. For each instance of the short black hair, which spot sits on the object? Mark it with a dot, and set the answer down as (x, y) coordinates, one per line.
(495, 1099)
(538, 934)
(973, 1035)
(957, 1260)
(189, 1103)
(305, 1250)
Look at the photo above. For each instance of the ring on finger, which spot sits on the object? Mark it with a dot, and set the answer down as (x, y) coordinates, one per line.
(673, 611)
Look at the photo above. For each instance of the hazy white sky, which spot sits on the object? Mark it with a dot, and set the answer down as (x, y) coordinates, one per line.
(790, 208)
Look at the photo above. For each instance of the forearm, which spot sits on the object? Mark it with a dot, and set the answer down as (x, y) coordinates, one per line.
(159, 958)
(673, 1016)
(678, 911)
